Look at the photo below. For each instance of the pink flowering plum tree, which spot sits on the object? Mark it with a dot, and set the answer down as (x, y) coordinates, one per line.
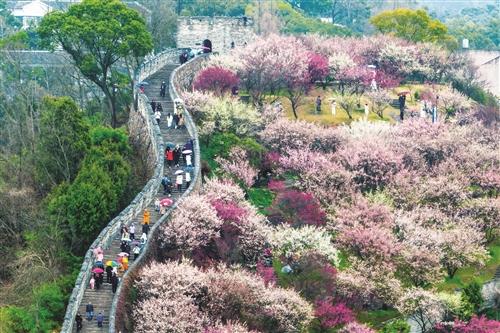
(238, 166)
(367, 286)
(475, 325)
(273, 63)
(164, 302)
(217, 227)
(319, 174)
(223, 189)
(215, 79)
(296, 208)
(380, 101)
(195, 224)
(455, 246)
(372, 165)
(284, 134)
(178, 297)
(230, 327)
(424, 144)
(296, 78)
(317, 67)
(238, 295)
(485, 212)
(332, 315)
(424, 307)
(315, 276)
(376, 244)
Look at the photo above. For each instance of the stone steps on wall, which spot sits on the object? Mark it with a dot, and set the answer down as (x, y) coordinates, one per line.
(102, 299)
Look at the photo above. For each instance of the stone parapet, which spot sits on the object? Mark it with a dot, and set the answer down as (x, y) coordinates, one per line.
(142, 200)
(177, 80)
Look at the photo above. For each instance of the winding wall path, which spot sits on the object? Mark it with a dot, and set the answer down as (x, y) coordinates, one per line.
(154, 71)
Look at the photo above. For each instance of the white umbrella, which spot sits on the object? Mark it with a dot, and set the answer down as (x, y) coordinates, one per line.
(179, 172)
(187, 151)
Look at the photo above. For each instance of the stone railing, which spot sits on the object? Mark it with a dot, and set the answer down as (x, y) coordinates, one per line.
(141, 201)
(117, 314)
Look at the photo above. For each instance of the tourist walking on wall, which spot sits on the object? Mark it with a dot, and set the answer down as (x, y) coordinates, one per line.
(132, 232)
(89, 310)
(144, 239)
(177, 155)
(169, 155)
(367, 111)
(79, 322)
(176, 120)
(180, 122)
(145, 217)
(163, 88)
(145, 221)
(109, 273)
(157, 117)
(167, 187)
(136, 251)
(178, 181)
(92, 283)
(188, 179)
(114, 283)
(100, 319)
(153, 105)
(170, 119)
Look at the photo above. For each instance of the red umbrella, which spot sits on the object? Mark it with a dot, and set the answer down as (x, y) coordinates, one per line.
(97, 270)
(166, 202)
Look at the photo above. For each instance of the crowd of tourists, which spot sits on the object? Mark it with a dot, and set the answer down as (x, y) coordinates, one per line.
(130, 245)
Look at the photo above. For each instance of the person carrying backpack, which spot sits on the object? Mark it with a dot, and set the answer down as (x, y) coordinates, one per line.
(167, 185)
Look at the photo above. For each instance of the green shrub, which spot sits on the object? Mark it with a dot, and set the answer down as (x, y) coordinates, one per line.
(472, 299)
(87, 204)
(260, 198)
(220, 145)
(46, 311)
(396, 326)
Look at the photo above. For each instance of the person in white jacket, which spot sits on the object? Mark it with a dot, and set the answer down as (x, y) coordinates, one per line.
(170, 119)
(188, 178)
(178, 181)
(157, 117)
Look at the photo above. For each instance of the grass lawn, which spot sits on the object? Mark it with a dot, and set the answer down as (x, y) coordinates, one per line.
(307, 110)
(377, 318)
(468, 274)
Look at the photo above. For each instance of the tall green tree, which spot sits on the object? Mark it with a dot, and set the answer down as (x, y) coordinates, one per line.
(98, 34)
(163, 22)
(413, 25)
(63, 140)
(85, 206)
(8, 23)
(351, 13)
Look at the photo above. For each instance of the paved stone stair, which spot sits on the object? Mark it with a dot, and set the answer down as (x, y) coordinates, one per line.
(103, 298)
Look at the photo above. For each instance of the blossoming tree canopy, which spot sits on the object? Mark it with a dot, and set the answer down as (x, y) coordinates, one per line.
(178, 297)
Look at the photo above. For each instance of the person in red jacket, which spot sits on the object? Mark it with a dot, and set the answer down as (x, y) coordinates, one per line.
(169, 156)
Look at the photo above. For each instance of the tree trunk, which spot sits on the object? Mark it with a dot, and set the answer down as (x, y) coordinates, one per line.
(294, 109)
(110, 96)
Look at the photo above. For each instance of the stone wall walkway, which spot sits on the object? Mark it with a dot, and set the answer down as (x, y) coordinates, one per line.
(103, 298)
